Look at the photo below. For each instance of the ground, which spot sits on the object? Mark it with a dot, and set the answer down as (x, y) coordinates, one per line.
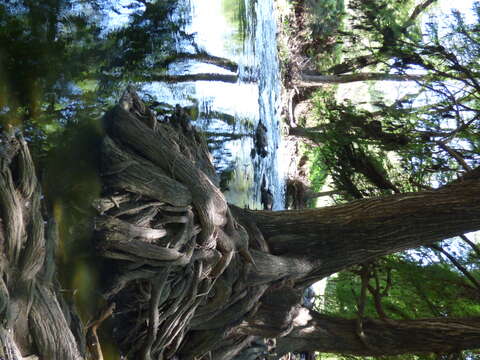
(292, 38)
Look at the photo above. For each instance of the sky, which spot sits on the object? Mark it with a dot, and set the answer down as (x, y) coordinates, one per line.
(395, 89)
(463, 6)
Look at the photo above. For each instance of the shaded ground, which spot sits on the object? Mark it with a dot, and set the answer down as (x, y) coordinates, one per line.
(294, 42)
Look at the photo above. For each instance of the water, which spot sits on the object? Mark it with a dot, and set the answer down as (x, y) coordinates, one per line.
(247, 35)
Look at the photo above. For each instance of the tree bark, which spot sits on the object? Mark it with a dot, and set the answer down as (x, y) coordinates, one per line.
(34, 319)
(317, 332)
(192, 275)
(316, 80)
(366, 229)
(207, 272)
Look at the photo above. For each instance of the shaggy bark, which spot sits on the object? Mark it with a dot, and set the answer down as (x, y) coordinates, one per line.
(366, 229)
(192, 276)
(198, 277)
(35, 322)
(317, 332)
(183, 258)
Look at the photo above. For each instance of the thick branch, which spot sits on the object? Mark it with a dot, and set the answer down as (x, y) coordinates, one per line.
(367, 229)
(390, 337)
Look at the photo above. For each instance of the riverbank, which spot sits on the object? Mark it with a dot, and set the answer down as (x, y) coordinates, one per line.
(292, 35)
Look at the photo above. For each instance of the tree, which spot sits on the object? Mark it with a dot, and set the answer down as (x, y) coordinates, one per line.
(406, 287)
(35, 318)
(193, 274)
(398, 48)
(353, 140)
(185, 273)
(387, 26)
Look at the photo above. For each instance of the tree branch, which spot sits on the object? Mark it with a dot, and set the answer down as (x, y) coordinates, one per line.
(459, 158)
(457, 264)
(472, 244)
(417, 11)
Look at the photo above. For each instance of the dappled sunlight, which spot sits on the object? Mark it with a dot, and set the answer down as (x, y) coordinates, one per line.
(302, 318)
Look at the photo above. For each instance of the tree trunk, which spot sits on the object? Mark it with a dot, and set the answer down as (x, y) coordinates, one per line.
(203, 275)
(316, 80)
(311, 134)
(317, 332)
(34, 318)
(367, 229)
(192, 276)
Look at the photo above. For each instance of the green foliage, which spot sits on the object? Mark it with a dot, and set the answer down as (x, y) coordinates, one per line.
(63, 62)
(317, 174)
(412, 285)
(416, 291)
(326, 20)
(352, 149)
(430, 137)
(327, 16)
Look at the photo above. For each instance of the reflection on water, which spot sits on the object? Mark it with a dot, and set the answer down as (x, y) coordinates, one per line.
(245, 34)
(63, 63)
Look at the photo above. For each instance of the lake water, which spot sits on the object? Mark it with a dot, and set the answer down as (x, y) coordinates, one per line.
(246, 34)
